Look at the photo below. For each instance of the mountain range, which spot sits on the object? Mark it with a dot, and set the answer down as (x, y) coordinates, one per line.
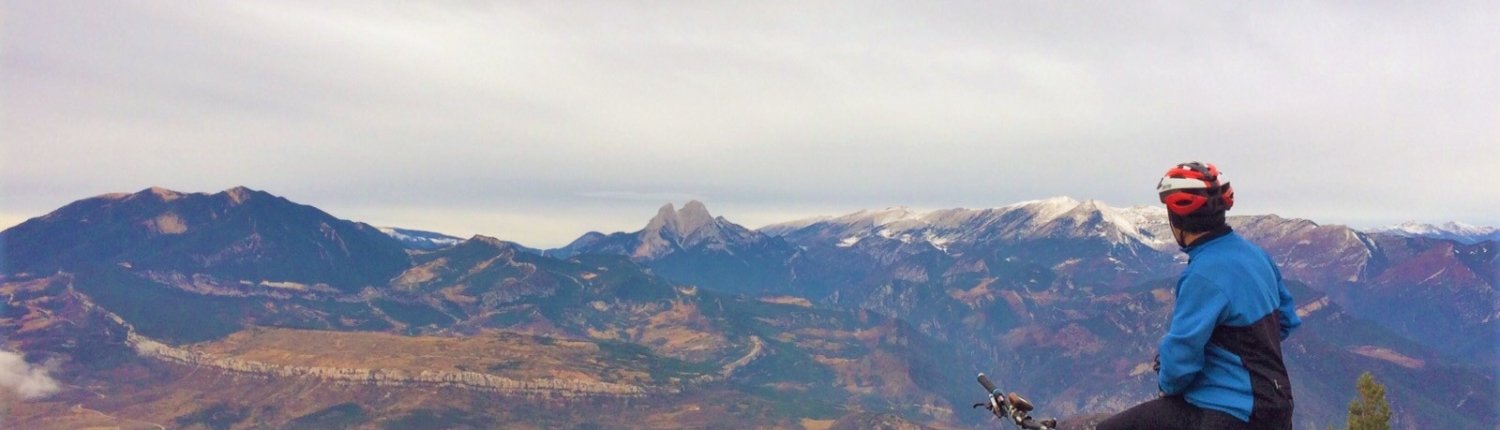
(1034, 258)
(240, 309)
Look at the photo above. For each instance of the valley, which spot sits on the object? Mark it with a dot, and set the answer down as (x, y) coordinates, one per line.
(241, 309)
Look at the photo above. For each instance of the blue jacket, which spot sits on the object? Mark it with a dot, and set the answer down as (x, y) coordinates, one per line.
(1223, 348)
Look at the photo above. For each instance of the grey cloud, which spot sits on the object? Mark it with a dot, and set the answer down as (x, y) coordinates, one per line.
(1365, 113)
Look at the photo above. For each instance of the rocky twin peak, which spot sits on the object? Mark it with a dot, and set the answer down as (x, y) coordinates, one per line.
(683, 223)
(692, 246)
(687, 227)
(672, 230)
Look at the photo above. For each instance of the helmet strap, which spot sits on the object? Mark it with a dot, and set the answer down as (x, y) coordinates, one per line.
(1180, 236)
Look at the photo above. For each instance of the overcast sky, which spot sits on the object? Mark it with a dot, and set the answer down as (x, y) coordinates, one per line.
(539, 121)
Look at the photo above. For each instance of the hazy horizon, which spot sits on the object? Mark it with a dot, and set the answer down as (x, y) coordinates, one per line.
(753, 220)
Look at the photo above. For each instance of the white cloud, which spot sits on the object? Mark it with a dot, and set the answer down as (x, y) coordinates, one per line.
(31, 382)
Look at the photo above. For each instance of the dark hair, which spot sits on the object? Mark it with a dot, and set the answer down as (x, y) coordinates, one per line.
(1197, 223)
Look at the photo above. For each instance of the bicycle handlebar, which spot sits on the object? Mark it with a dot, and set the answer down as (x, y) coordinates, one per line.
(1011, 407)
(985, 381)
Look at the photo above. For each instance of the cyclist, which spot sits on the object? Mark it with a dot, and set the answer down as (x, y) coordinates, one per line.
(1219, 364)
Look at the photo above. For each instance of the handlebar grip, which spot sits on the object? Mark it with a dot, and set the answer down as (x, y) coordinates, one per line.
(985, 381)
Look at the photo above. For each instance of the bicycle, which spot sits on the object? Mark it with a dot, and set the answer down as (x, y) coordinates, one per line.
(1012, 407)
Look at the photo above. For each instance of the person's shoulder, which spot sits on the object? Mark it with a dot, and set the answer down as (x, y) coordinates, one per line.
(1249, 246)
(1240, 243)
(1225, 255)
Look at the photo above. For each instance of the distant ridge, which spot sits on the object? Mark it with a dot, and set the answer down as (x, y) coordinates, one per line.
(249, 234)
(1032, 219)
(1455, 231)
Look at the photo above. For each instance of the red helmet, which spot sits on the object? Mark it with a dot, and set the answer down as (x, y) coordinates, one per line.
(1193, 189)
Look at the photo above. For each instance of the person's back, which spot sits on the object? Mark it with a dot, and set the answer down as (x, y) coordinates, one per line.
(1220, 361)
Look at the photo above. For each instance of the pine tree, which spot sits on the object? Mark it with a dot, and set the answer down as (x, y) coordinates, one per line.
(1369, 410)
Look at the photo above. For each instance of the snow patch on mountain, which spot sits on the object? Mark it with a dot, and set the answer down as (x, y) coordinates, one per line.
(417, 239)
(1148, 224)
(1047, 209)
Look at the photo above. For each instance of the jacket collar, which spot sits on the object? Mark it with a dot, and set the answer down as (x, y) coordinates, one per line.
(1205, 239)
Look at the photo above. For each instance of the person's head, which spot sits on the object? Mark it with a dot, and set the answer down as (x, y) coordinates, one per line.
(1195, 199)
